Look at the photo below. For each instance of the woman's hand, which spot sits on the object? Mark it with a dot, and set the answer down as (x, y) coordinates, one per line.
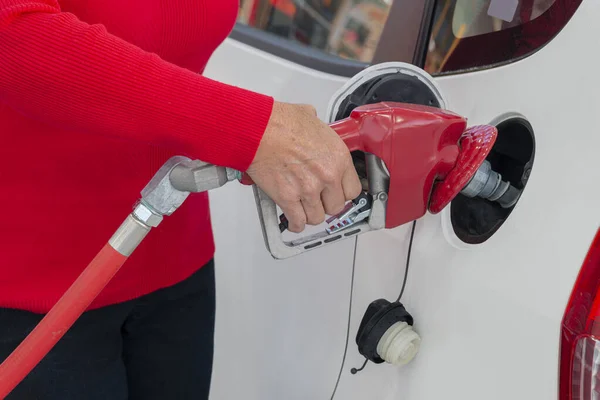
(304, 166)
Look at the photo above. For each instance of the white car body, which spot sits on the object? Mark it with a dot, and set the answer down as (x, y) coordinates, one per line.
(489, 314)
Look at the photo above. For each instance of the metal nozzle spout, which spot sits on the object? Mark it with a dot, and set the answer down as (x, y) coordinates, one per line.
(488, 184)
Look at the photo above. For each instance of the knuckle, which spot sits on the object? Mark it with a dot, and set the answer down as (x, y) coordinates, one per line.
(297, 225)
(312, 201)
(288, 197)
(327, 173)
(329, 176)
(310, 188)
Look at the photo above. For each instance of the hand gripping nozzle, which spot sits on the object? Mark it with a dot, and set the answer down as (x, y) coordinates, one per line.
(412, 159)
(416, 158)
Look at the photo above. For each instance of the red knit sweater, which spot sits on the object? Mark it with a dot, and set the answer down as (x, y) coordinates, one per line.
(94, 97)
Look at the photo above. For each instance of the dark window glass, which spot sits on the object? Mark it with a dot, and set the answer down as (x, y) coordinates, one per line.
(470, 34)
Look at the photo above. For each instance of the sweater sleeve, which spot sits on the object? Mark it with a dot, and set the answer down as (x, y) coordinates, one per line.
(59, 70)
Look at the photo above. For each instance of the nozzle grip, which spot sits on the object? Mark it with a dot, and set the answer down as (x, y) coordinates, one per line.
(348, 130)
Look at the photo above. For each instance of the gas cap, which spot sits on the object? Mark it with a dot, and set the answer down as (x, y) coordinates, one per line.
(386, 334)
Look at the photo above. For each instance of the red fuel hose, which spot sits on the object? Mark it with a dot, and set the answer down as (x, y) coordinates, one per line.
(60, 318)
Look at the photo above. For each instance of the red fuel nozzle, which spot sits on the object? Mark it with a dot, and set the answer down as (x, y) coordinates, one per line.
(429, 154)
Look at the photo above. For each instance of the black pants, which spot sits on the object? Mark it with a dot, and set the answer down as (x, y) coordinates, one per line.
(159, 346)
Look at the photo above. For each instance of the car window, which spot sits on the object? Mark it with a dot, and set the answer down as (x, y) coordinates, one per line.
(469, 34)
(478, 17)
(349, 29)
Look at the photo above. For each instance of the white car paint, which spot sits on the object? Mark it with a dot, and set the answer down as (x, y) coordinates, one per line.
(281, 325)
(489, 315)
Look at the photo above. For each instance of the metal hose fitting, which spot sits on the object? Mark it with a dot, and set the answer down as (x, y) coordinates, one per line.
(488, 184)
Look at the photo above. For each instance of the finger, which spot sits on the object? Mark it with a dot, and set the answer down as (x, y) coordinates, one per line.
(294, 212)
(351, 184)
(333, 198)
(313, 209)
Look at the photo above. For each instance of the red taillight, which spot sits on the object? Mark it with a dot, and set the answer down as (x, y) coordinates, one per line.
(580, 333)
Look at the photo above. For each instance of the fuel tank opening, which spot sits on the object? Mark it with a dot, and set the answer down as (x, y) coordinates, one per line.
(475, 219)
